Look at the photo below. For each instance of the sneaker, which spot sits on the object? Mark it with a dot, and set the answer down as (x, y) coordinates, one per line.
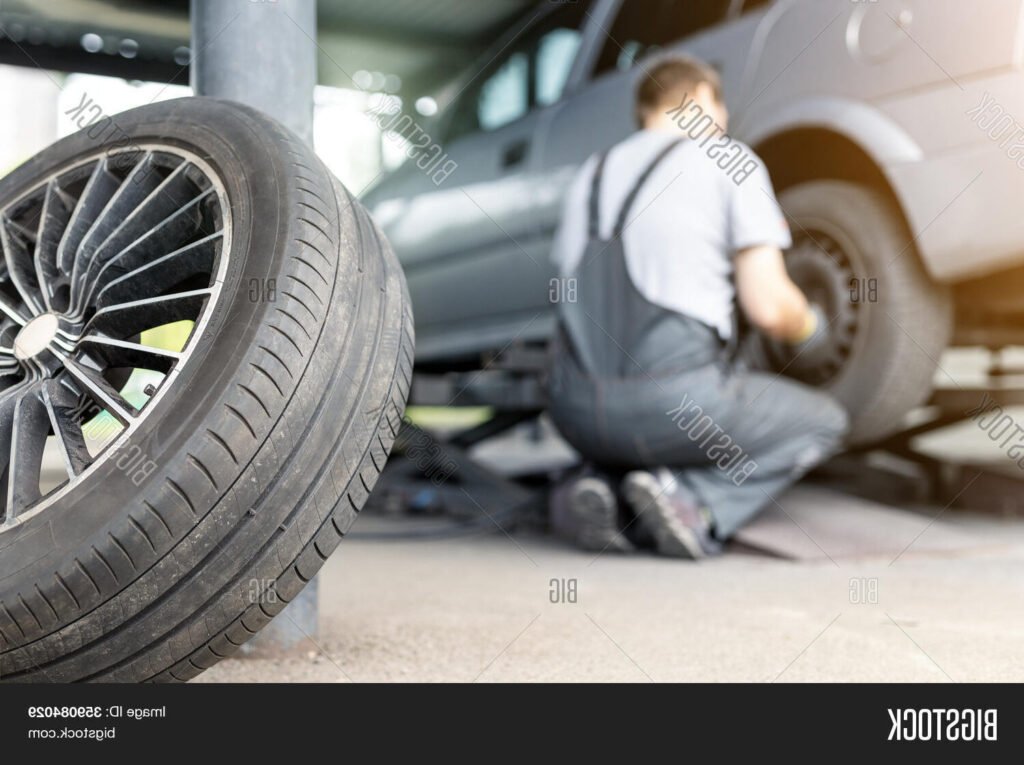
(670, 514)
(586, 511)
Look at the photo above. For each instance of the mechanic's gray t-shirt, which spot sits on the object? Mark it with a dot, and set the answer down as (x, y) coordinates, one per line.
(689, 220)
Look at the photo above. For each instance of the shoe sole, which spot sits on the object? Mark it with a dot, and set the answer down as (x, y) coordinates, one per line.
(655, 514)
(590, 501)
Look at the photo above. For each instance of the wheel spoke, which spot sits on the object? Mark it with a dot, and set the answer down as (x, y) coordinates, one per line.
(27, 234)
(121, 353)
(179, 226)
(125, 320)
(30, 426)
(193, 259)
(11, 312)
(52, 224)
(97, 193)
(62, 409)
(8, 382)
(172, 193)
(100, 391)
(19, 265)
(8, 402)
(139, 184)
(164, 197)
(9, 369)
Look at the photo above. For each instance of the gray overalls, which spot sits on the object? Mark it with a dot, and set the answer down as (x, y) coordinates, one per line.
(635, 385)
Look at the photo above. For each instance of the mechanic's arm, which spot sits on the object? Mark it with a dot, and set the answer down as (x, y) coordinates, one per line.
(769, 298)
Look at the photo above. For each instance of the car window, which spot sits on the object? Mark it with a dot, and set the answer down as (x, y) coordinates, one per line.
(643, 26)
(532, 72)
(556, 53)
(505, 95)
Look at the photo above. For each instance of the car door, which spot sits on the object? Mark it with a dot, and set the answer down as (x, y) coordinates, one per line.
(468, 243)
(600, 112)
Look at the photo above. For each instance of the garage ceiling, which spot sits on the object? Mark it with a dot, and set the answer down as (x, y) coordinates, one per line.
(425, 42)
(421, 41)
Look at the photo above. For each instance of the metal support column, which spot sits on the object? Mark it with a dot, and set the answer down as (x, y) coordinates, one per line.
(263, 53)
(260, 53)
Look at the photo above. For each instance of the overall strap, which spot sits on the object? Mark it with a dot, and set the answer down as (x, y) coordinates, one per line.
(627, 206)
(595, 198)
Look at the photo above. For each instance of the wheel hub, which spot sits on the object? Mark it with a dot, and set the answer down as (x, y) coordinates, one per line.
(35, 336)
(825, 273)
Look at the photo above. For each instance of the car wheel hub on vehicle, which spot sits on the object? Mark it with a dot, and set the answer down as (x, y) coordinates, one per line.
(828, 277)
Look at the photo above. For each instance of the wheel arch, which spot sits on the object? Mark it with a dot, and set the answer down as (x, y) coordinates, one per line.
(833, 139)
(812, 153)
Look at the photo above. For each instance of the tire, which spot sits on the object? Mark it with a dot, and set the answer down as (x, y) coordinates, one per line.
(251, 458)
(853, 255)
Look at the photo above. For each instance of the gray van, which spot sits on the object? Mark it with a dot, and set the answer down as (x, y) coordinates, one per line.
(890, 130)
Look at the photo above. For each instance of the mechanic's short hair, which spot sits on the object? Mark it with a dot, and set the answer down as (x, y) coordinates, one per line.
(669, 79)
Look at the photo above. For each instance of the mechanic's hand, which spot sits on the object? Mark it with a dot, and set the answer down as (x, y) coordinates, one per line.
(816, 326)
(816, 344)
(806, 352)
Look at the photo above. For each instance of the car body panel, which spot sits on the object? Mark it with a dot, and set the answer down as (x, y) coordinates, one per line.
(897, 79)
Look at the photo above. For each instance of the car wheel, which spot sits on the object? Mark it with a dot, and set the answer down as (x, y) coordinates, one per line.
(889, 322)
(209, 340)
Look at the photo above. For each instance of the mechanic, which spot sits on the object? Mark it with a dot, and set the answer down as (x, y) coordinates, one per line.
(663, 235)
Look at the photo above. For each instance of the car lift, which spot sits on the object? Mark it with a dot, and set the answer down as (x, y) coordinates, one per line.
(510, 384)
(964, 484)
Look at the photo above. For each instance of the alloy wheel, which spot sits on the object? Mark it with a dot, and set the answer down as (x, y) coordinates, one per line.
(109, 271)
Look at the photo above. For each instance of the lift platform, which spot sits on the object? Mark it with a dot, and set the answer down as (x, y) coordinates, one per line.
(514, 492)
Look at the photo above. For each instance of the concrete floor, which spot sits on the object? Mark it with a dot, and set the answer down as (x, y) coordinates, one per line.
(478, 609)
